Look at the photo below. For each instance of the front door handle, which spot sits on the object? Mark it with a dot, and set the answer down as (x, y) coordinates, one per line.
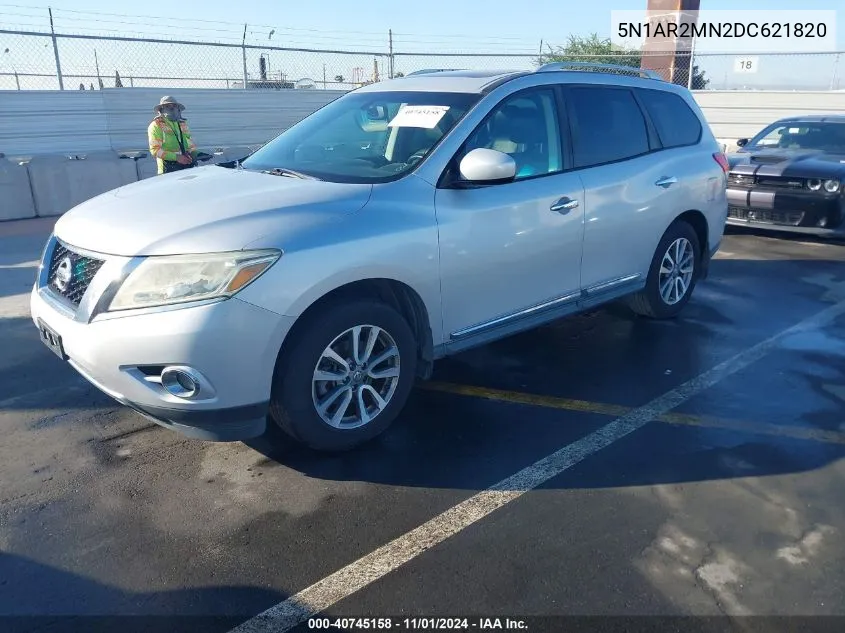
(564, 204)
(666, 182)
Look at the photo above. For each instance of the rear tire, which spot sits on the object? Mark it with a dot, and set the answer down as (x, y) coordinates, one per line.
(670, 283)
(323, 350)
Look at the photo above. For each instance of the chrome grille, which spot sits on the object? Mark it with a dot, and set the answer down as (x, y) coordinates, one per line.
(772, 182)
(791, 218)
(741, 180)
(780, 182)
(70, 273)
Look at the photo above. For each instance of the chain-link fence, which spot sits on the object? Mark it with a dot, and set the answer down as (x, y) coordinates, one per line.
(36, 60)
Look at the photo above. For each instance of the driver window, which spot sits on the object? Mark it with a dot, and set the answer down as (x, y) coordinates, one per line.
(524, 126)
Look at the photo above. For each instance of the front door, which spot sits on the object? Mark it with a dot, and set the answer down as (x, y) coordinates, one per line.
(509, 251)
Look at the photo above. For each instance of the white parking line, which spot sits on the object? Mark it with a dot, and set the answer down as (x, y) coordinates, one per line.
(357, 575)
(31, 264)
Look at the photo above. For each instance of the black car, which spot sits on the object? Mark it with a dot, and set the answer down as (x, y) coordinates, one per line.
(791, 177)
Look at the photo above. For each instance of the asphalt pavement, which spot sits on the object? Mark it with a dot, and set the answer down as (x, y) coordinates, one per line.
(606, 465)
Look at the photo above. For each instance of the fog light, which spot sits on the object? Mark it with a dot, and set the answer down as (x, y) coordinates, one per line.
(814, 184)
(180, 382)
(831, 186)
(822, 222)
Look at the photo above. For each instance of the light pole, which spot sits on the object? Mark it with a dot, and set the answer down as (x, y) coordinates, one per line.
(14, 70)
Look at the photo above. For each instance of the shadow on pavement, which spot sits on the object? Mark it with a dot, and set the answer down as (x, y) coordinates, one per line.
(39, 598)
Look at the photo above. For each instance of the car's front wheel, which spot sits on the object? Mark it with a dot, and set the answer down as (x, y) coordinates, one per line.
(673, 274)
(345, 377)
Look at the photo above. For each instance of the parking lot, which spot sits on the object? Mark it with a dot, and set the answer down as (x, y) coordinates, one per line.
(606, 465)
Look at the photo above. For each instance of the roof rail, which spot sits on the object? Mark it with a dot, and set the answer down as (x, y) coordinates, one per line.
(594, 66)
(431, 70)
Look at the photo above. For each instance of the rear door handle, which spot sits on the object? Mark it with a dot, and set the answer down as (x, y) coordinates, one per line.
(564, 204)
(666, 182)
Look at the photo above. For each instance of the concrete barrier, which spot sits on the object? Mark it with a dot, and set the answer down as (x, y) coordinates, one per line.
(145, 166)
(60, 183)
(16, 201)
(227, 154)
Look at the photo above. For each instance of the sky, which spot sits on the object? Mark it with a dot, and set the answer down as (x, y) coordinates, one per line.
(491, 26)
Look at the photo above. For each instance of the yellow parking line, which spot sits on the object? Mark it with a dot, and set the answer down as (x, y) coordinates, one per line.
(614, 410)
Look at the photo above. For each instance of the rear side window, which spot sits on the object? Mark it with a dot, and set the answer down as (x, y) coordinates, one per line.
(607, 125)
(676, 123)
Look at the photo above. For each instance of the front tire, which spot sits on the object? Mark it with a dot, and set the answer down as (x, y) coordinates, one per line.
(674, 272)
(346, 376)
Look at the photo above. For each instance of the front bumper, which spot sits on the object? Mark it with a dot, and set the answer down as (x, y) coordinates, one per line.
(230, 345)
(796, 211)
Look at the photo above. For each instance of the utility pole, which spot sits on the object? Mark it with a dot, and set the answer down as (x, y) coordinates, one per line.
(691, 63)
(14, 68)
(97, 66)
(390, 61)
(56, 52)
(324, 76)
(243, 49)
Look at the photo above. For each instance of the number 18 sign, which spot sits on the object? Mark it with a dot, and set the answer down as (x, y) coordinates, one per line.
(746, 64)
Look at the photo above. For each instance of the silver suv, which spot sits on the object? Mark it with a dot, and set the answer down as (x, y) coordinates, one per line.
(314, 282)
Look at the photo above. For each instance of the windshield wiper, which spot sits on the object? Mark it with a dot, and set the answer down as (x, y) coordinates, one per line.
(290, 173)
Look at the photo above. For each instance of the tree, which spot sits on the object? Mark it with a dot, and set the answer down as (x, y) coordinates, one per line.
(339, 79)
(117, 82)
(602, 51)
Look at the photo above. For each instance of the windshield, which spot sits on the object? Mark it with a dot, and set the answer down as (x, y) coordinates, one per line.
(827, 136)
(364, 137)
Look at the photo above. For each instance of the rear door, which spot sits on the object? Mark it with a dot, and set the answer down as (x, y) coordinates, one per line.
(632, 188)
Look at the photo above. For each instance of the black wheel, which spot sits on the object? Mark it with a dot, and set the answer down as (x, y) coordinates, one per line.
(346, 377)
(674, 271)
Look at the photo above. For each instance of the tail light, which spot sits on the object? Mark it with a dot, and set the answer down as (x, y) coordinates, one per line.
(720, 158)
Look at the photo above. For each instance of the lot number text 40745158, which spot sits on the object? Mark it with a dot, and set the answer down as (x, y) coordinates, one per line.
(417, 624)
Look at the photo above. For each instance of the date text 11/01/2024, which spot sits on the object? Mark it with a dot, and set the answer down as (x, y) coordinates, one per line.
(685, 30)
(417, 624)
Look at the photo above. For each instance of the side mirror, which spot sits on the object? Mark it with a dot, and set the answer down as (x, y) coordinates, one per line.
(742, 142)
(487, 166)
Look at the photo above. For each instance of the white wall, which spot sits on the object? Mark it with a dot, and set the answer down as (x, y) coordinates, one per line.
(37, 122)
(76, 121)
(40, 123)
(736, 114)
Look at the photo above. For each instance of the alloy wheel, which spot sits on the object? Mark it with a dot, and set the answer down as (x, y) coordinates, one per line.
(356, 377)
(676, 271)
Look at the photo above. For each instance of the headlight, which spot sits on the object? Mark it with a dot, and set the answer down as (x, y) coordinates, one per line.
(164, 280)
(831, 186)
(814, 184)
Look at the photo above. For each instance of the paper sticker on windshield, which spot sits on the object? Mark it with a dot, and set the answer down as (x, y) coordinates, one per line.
(419, 116)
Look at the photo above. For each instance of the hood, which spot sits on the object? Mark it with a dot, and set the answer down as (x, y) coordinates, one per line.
(797, 163)
(204, 209)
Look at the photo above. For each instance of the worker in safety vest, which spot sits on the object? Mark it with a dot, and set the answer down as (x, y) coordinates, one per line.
(170, 139)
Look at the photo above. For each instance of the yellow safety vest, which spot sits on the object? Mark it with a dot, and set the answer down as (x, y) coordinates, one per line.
(164, 140)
